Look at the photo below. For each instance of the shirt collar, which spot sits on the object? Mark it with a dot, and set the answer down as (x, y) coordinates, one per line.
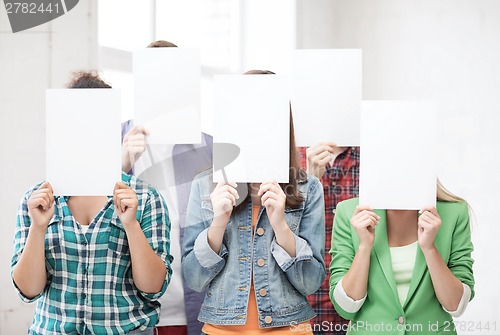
(61, 202)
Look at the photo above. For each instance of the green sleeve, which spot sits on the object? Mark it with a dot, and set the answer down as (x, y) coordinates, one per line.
(460, 261)
(342, 253)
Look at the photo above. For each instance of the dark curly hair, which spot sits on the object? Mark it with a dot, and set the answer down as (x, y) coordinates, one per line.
(87, 79)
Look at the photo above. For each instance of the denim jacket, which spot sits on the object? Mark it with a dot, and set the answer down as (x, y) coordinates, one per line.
(227, 275)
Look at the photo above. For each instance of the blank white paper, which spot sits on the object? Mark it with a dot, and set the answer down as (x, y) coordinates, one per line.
(326, 96)
(83, 141)
(252, 112)
(398, 168)
(167, 94)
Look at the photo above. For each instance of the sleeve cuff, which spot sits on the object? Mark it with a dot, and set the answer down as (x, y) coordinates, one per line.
(462, 305)
(284, 260)
(204, 253)
(155, 296)
(22, 296)
(344, 301)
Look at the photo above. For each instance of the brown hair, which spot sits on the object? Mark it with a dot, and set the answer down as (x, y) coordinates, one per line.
(296, 174)
(259, 72)
(162, 44)
(87, 79)
(293, 197)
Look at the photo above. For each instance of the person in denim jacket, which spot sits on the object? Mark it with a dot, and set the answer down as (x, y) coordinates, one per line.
(257, 256)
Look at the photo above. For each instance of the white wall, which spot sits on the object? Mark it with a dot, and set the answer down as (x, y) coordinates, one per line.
(30, 62)
(447, 51)
(267, 35)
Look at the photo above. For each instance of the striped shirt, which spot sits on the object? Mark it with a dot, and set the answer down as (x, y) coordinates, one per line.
(89, 287)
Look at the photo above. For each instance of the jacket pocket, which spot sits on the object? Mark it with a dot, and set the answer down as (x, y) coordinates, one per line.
(292, 217)
(207, 209)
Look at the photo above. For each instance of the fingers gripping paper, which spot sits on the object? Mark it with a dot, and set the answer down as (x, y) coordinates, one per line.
(251, 128)
(83, 153)
(398, 154)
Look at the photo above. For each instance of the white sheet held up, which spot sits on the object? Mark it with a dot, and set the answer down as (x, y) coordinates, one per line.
(398, 168)
(83, 145)
(251, 128)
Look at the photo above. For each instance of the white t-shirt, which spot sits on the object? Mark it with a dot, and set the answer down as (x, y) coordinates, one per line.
(403, 262)
(85, 228)
(155, 167)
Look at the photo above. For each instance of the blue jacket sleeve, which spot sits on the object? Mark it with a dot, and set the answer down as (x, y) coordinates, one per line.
(200, 264)
(306, 271)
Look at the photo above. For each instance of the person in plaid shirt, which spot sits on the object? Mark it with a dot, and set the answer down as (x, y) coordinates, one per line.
(338, 170)
(75, 255)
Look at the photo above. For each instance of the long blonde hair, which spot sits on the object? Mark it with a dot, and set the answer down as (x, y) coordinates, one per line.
(442, 194)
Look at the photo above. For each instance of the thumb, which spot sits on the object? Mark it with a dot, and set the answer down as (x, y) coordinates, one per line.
(120, 185)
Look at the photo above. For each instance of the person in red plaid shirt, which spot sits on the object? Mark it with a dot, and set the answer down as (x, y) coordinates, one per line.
(338, 170)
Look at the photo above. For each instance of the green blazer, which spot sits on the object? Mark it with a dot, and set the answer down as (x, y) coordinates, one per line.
(382, 312)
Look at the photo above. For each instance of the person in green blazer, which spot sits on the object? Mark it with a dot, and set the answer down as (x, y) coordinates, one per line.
(402, 271)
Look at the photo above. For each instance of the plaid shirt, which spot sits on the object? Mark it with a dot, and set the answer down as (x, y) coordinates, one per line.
(340, 182)
(89, 287)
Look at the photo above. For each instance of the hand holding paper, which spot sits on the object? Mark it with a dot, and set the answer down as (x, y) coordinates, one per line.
(274, 199)
(223, 200)
(126, 203)
(41, 206)
(429, 223)
(364, 221)
(318, 156)
(134, 145)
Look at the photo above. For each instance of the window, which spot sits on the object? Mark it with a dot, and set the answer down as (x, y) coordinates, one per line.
(232, 35)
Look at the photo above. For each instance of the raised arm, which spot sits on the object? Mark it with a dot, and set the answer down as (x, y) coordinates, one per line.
(29, 273)
(133, 146)
(149, 270)
(301, 254)
(349, 267)
(204, 253)
(454, 282)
